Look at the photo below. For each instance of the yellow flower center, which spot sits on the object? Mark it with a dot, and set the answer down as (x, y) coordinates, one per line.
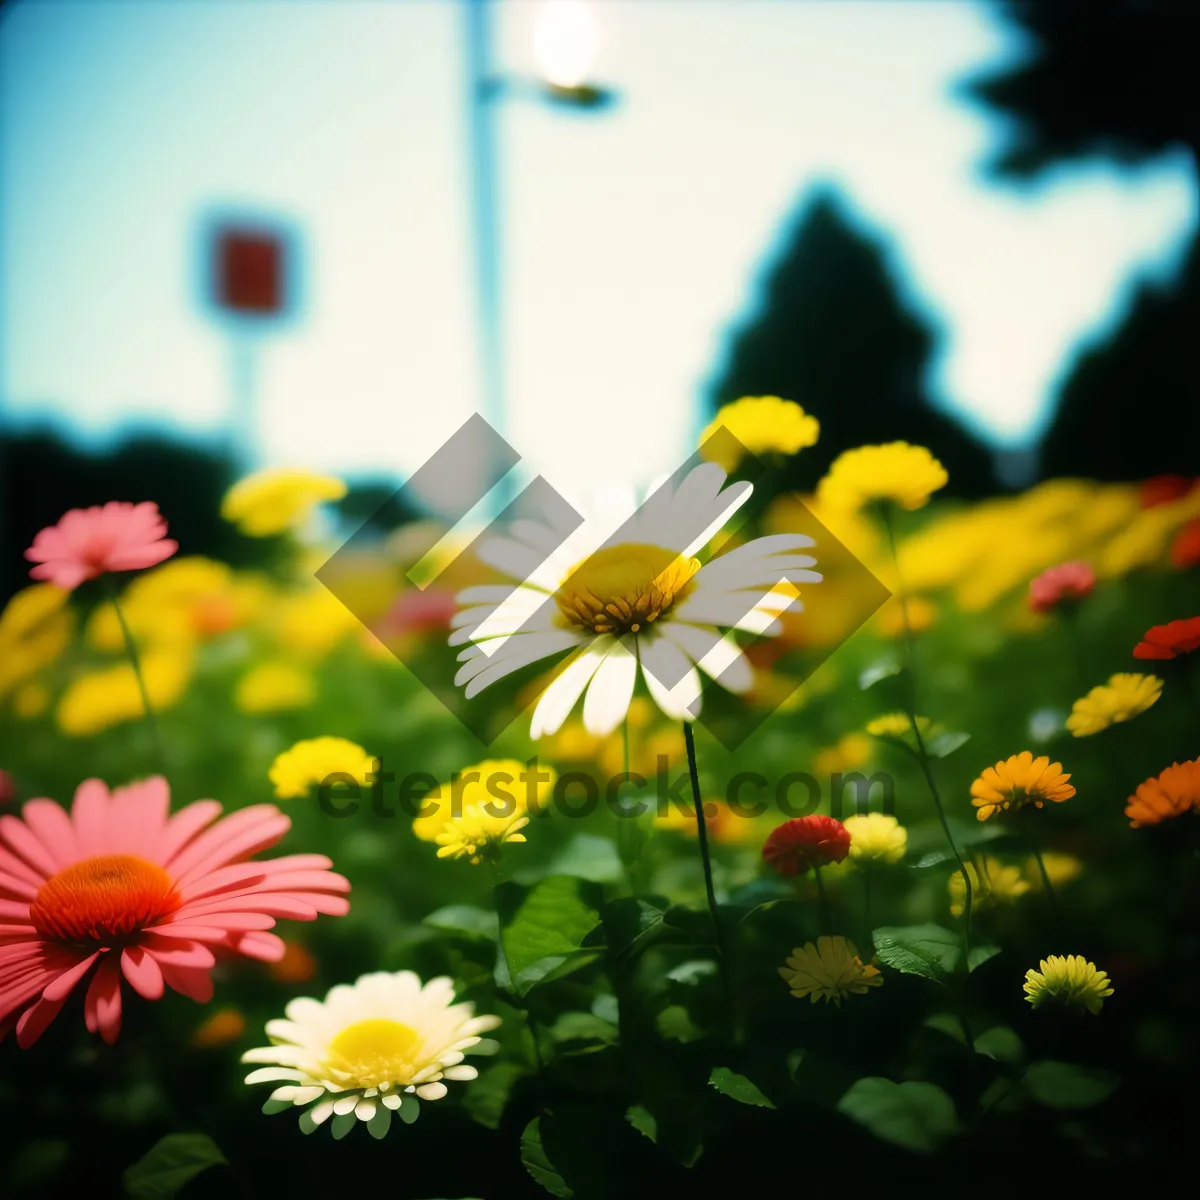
(376, 1051)
(622, 589)
(101, 900)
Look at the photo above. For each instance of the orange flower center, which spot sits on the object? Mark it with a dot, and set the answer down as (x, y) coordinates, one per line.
(103, 900)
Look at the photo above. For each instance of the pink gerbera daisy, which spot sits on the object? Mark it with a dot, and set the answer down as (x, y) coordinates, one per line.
(118, 887)
(88, 542)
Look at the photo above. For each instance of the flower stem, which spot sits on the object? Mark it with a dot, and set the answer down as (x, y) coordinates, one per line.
(136, 662)
(1051, 898)
(867, 874)
(826, 917)
(724, 961)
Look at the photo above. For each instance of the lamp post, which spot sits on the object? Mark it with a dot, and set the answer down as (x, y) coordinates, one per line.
(564, 46)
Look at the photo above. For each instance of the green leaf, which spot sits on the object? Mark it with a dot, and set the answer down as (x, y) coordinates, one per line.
(539, 1166)
(1067, 1085)
(927, 950)
(738, 1087)
(676, 1024)
(794, 1062)
(487, 1095)
(886, 668)
(169, 1164)
(948, 1024)
(978, 955)
(542, 927)
(943, 744)
(644, 1121)
(633, 922)
(583, 1027)
(589, 857)
(465, 919)
(1000, 1043)
(692, 971)
(917, 1116)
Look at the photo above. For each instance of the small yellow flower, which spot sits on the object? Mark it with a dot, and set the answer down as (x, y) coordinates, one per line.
(312, 623)
(274, 501)
(483, 807)
(1120, 699)
(100, 699)
(1019, 781)
(1061, 868)
(897, 725)
(35, 628)
(876, 837)
(828, 970)
(850, 752)
(906, 475)
(762, 425)
(307, 763)
(992, 883)
(1071, 981)
(274, 687)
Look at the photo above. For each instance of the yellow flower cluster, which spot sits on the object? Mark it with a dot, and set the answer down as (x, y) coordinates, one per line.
(760, 425)
(35, 628)
(484, 807)
(876, 837)
(275, 686)
(110, 696)
(992, 883)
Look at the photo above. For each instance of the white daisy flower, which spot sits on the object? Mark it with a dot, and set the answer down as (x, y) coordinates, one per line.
(624, 591)
(368, 1050)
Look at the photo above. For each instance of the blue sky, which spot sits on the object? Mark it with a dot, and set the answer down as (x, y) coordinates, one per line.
(634, 240)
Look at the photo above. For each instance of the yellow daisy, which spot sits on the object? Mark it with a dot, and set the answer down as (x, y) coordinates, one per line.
(876, 837)
(828, 970)
(1120, 699)
(1019, 781)
(992, 883)
(1071, 981)
(760, 425)
(273, 501)
(307, 763)
(906, 475)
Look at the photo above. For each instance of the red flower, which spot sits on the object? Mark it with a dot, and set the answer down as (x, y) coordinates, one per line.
(88, 542)
(1067, 581)
(1185, 550)
(1163, 489)
(806, 842)
(1170, 640)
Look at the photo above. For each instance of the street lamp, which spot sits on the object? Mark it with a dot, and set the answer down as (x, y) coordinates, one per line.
(565, 44)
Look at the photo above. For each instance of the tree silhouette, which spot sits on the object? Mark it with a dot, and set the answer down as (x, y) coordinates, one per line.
(1115, 79)
(834, 335)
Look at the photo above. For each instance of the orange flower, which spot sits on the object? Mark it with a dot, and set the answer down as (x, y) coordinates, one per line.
(296, 966)
(1170, 640)
(1170, 794)
(224, 1026)
(1017, 782)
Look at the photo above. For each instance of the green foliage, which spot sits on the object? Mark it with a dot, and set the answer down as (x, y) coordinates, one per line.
(737, 1087)
(927, 950)
(542, 927)
(170, 1164)
(917, 1116)
(1068, 1085)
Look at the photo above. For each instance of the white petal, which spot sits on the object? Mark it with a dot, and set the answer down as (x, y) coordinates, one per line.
(345, 1104)
(610, 692)
(463, 1072)
(276, 1075)
(559, 698)
(364, 1110)
(512, 557)
(432, 1091)
(663, 660)
(393, 1100)
(716, 655)
(528, 648)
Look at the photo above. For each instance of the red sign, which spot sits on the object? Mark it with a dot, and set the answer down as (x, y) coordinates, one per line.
(249, 272)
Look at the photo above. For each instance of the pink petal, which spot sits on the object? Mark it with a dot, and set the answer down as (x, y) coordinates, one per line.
(52, 827)
(14, 909)
(195, 984)
(137, 558)
(273, 905)
(239, 835)
(266, 947)
(88, 813)
(139, 811)
(12, 865)
(17, 835)
(143, 973)
(33, 1021)
(173, 952)
(22, 931)
(182, 827)
(62, 987)
(11, 886)
(102, 1005)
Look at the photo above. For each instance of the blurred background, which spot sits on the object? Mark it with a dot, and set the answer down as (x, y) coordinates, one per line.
(322, 235)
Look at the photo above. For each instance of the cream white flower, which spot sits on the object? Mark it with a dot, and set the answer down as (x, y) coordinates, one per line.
(369, 1049)
(623, 591)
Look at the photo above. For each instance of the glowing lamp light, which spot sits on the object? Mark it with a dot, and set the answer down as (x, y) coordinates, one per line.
(565, 42)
